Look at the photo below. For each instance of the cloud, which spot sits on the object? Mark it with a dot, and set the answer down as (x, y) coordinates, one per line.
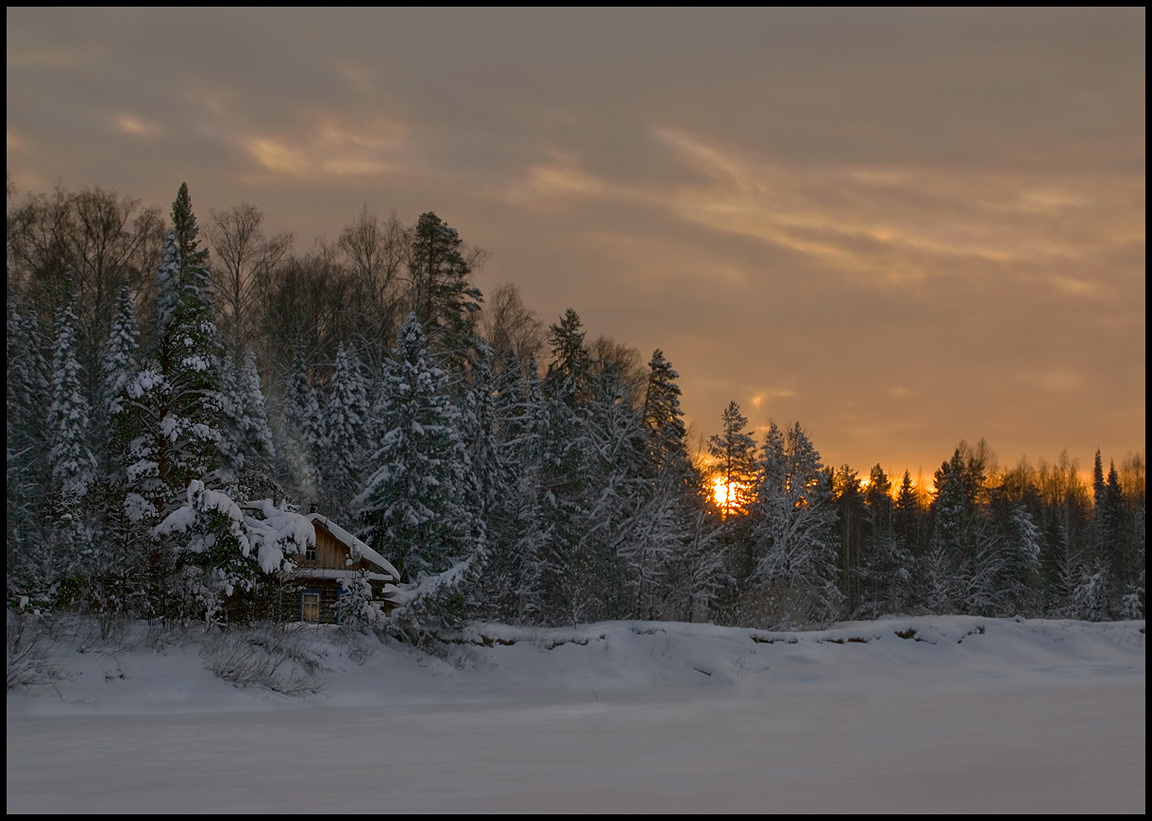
(49, 57)
(548, 185)
(773, 393)
(1074, 287)
(136, 126)
(881, 225)
(890, 224)
(330, 148)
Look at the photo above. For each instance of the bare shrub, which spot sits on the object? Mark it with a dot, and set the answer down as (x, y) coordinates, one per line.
(31, 653)
(264, 657)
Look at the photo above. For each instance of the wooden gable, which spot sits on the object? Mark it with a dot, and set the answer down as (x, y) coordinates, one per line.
(333, 554)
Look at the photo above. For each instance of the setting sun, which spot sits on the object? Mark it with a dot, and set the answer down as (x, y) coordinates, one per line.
(730, 497)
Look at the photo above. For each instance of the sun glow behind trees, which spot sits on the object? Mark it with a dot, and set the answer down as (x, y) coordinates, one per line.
(731, 496)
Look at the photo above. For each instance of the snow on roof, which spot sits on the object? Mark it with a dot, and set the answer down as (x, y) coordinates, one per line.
(341, 575)
(357, 546)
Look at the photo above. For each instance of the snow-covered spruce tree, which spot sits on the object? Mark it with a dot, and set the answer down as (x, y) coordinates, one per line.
(847, 498)
(907, 516)
(614, 563)
(123, 542)
(734, 454)
(478, 429)
(689, 573)
(1023, 548)
(413, 506)
(1090, 596)
(29, 563)
(708, 577)
(231, 446)
(959, 489)
(662, 415)
(513, 523)
(644, 490)
(27, 372)
(344, 433)
(952, 515)
(886, 577)
(175, 406)
(254, 421)
(70, 460)
(963, 559)
(355, 606)
(1087, 574)
(886, 566)
(656, 567)
(493, 484)
(1133, 603)
(177, 392)
(119, 362)
(188, 354)
(248, 441)
(567, 393)
(69, 418)
(982, 570)
(419, 507)
(1113, 554)
(1105, 514)
(795, 555)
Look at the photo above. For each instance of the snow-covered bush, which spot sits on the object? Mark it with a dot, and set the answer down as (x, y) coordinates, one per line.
(223, 550)
(355, 607)
(437, 603)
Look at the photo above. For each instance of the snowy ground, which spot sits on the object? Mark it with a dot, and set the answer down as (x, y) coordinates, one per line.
(964, 714)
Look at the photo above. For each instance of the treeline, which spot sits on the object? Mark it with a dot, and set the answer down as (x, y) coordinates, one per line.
(163, 380)
(813, 543)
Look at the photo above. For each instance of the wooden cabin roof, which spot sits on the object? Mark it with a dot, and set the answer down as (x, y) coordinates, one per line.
(357, 549)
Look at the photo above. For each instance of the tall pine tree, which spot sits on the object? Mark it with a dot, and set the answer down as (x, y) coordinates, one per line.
(443, 300)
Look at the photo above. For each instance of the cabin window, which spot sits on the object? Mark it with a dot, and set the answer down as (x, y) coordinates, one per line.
(310, 606)
(310, 552)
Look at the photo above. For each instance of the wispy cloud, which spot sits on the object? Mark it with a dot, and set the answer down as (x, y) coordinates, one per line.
(138, 127)
(881, 225)
(548, 185)
(889, 224)
(50, 57)
(331, 147)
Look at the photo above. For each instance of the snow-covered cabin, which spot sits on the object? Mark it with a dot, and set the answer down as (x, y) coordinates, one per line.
(336, 557)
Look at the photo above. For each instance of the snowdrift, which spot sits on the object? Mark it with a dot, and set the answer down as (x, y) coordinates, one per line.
(635, 661)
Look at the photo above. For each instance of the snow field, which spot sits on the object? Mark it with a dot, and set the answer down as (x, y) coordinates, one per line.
(644, 717)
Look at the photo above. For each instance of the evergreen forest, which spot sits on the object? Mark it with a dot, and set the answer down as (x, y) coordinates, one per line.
(182, 388)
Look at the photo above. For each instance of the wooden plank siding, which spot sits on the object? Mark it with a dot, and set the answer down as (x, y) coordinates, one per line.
(331, 554)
